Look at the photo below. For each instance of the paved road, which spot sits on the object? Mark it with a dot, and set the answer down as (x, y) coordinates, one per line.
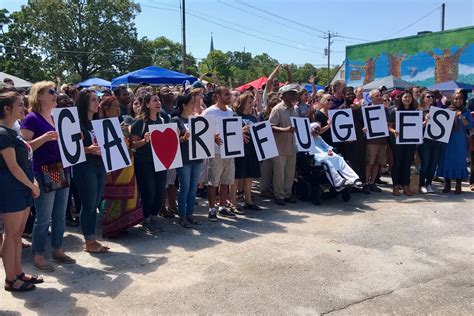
(372, 255)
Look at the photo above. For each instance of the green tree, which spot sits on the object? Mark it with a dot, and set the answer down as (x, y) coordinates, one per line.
(302, 74)
(88, 37)
(168, 54)
(217, 62)
(18, 57)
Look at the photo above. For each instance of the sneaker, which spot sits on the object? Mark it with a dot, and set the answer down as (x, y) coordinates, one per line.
(374, 188)
(193, 221)
(423, 190)
(280, 201)
(380, 181)
(149, 228)
(429, 188)
(225, 212)
(365, 189)
(212, 217)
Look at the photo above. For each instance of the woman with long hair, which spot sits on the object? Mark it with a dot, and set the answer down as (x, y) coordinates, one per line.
(452, 164)
(430, 151)
(89, 176)
(122, 208)
(321, 116)
(189, 173)
(39, 130)
(402, 153)
(247, 167)
(16, 200)
(151, 184)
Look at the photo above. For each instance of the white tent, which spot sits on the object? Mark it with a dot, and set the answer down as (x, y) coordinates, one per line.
(19, 83)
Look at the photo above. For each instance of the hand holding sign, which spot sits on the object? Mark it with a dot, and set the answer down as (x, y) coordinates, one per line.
(409, 127)
(165, 146)
(375, 120)
(304, 140)
(342, 125)
(440, 124)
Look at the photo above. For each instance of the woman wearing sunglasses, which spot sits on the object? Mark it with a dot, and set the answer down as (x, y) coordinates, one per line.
(430, 150)
(38, 129)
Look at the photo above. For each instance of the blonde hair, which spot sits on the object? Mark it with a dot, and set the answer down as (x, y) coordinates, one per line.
(35, 91)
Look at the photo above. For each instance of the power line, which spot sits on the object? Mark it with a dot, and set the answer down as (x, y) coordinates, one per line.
(413, 23)
(243, 27)
(235, 30)
(280, 17)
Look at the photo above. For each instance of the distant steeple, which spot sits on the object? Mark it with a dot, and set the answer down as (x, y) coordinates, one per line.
(212, 44)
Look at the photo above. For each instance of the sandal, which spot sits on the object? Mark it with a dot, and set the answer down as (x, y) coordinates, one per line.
(63, 259)
(98, 248)
(252, 207)
(24, 287)
(33, 279)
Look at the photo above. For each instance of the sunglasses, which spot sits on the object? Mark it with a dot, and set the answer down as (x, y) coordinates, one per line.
(52, 91)
(331, 100)
(429, 96)
(384, 100)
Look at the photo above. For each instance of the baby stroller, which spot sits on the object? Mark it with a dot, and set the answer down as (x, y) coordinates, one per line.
(312, 183)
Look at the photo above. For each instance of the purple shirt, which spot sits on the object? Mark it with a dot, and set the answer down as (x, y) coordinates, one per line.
(48, 153)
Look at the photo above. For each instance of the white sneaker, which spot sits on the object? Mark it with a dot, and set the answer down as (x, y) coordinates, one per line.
(423, 190)
(429, 188)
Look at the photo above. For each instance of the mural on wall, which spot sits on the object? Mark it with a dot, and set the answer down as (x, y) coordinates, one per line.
(422, 60)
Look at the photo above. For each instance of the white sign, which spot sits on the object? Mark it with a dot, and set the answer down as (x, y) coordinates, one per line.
(304, 140)
(342, 125)
(70, 142)
(409, 125)
(165, 148)
(263, 140)
(201, 140)
(232, 137)
(375, 120)
(111, 141)
(440, 124)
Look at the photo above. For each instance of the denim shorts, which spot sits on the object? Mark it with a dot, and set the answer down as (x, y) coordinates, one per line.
(14, 195)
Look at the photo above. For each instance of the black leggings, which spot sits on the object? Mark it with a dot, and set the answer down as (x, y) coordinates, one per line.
(402, 159)
(151, 186)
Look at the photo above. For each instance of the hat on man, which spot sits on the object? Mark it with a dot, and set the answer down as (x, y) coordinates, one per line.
(198, 84)
(290, 87)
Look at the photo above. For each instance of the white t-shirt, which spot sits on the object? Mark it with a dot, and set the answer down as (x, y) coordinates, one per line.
(216, 112)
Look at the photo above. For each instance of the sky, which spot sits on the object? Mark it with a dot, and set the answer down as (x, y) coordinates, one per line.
(292, 31)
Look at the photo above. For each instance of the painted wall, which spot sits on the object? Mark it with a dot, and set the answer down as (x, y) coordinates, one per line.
(422, 60)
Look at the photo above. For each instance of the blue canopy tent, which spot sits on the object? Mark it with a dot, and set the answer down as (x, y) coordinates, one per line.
(153, 75)
(309, 88)
(94, 82)
(451, 86)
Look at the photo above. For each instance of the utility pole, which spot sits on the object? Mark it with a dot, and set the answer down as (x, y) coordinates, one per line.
(329, 36)
(183, 31)
(443, 14)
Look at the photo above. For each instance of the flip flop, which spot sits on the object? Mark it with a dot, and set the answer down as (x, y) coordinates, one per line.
(100, 249)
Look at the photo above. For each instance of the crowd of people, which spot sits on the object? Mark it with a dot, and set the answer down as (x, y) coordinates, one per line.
(31, 203)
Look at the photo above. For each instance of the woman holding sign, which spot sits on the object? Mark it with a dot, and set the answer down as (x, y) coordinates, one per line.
(122, 205)
(151, 184)
(189, 173)
(452, 164)
(16, 200)
(89, 176)
(247, 167)
(430, 150)
(402, 153)
(39, 130)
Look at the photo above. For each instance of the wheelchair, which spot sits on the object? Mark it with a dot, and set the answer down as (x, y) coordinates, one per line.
(312, 183)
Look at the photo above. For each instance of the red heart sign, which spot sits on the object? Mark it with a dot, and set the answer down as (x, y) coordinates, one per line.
(165, 146)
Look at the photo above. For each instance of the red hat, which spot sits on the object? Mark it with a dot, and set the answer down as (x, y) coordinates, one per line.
(394, 94)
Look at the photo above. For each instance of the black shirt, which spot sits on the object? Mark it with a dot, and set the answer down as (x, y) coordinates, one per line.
(181, 121)
(139, 129)
(10, 139)
(322, 119)
(88, 140)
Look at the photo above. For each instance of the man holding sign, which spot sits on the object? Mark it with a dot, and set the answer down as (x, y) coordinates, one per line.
(376, 132)
(284, 165)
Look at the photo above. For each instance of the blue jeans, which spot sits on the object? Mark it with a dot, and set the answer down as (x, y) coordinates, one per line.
(50, 208)
(429, 153)
(188, 176)
(89, 180)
